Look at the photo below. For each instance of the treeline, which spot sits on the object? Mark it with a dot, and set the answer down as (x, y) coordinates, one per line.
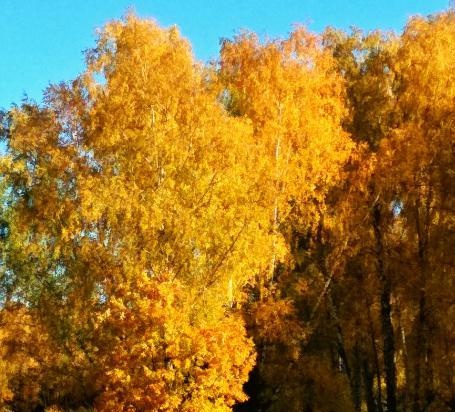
(271, 232)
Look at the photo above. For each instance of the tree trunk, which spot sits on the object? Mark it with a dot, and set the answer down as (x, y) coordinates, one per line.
(423, 349)
(375, 357)
(357, 378)
(321, 252)
(386, 313)
(368, 379)
(405, 360)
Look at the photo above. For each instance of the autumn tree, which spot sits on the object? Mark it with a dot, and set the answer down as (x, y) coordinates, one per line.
(386, 192)
(294, 97)
(135, 225)
(283, 219)
(420, 154)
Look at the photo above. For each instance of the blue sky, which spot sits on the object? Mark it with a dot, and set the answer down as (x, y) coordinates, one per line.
(42, 40)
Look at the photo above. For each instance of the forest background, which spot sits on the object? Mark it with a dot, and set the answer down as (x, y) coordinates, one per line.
(273, 230)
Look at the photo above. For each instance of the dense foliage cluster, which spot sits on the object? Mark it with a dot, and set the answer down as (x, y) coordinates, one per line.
(273, 232)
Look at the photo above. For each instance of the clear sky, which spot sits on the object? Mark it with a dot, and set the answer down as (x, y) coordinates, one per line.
(42, 40)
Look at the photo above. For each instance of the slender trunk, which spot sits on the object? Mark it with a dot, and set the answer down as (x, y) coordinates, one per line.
(377, 365)
(345, 366)
(422, 347)
(449, 375)
(386, 314)
(368, 380)
(418, 353)
(277, 190)
(405, 360)
(357, 378)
